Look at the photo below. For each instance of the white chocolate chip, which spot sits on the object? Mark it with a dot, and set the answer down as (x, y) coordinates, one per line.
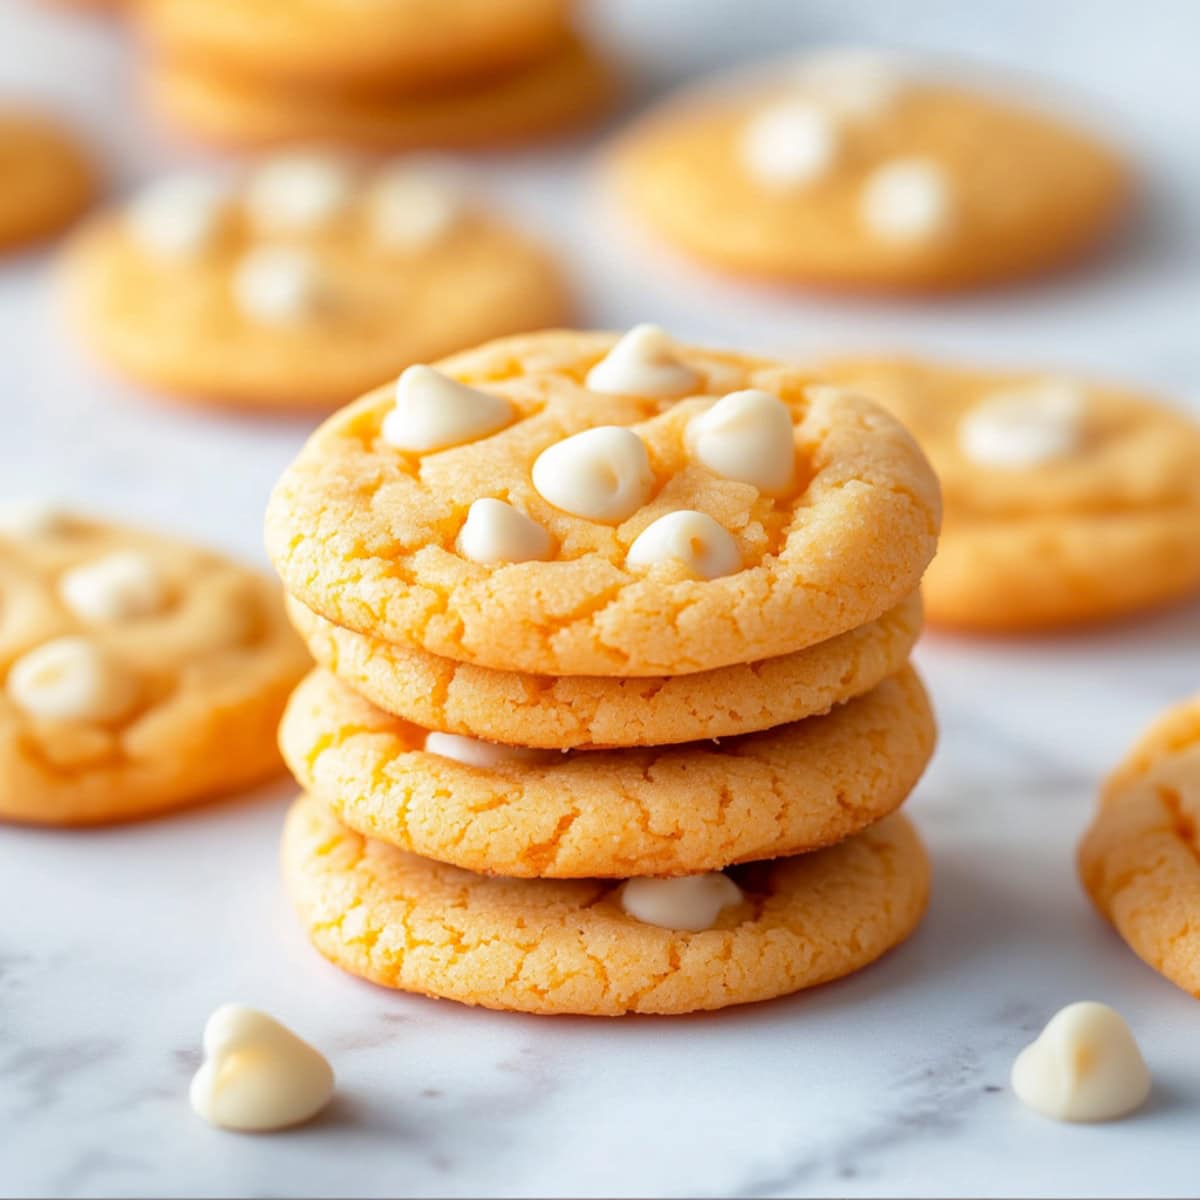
(602, 474)
(691, 902)
(853, 83)
(295, 193)
(694, 539)
(1024, 426)
(33, 519)
(178, 217)
(907, 200)
(278, 285)
(433, 412)
(411, 209)
(71, 679)
(643, 363)
(257, 1075)
(747, 436)
(789, 144)
(495, 532)
(1085, 1066)
(119, 587)
(476, 753)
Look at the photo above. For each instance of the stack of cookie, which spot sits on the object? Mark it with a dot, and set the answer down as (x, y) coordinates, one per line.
(394, 73)
(613, 712)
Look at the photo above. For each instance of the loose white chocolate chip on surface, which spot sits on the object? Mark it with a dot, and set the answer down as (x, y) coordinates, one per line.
(1025, 426)
(789, 143)
(495, 532)
(1085, 1066)
(853, 83)
(278, 285)
(411, 209)
(257, 1075)
(178, 217)
(296, 193)
(476, 753)
(907, 200)
(643, 363)
(692, 538)
(691, 903)
(602, 474)
(119, 587)
(434, 412)
(33, 518)
(71, 679)
(747, 436)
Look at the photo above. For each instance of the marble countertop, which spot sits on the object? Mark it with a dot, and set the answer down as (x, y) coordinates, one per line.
(116, 944)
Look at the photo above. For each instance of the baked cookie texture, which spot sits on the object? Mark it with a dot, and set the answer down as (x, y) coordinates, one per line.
(386, 44)
(545, 946)
(140, 673)
(856, 171)
(302, 284)
(582, 711)
(1140, 858)
(1097, 516)
(568, 87)
(48, 178)
(364, 534)
(655, 811)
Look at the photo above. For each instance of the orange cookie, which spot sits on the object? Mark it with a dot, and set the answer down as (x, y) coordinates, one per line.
(545, 946)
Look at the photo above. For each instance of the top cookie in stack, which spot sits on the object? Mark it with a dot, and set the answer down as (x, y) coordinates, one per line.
(389, 74)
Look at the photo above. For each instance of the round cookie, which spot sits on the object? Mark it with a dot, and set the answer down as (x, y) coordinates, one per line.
(1065, 501)
(302, 284)
(850, 171)
(565, 89)
(367, 533)
(140, 674)
(593, 711)
(545, 946)
(402, 44)
(48, 180)
(1140, 859)
(654, 811)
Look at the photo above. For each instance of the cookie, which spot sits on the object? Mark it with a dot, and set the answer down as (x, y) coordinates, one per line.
(594, 711)
(1140, 859)
(559, 92)
(1066, 501)
(301, 284)
(140, 674)
(852, 171)
(546, 946)
(401, 44)
(656, 811)
(516, 509)
(48, 179)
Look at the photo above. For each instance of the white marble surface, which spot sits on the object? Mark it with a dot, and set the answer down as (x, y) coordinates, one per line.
(115, 945)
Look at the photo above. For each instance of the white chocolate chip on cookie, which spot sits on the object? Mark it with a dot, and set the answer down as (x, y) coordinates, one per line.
(1084, 1066)
(278, 285)
(296, 193)
(495, 532)
(411, 209)
(180, 216)
(694, 539)
(747, 436)
(257, 1074)
(691, 903)
(602, 474)
(433, 412)
(1025, 427)
(33, 519)
(789, 144)
(71, 679)
(642, 363)
(119, 587)
(477, 753)
(907, 200)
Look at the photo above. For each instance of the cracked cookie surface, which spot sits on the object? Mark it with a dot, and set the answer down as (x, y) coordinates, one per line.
(573, 711)
(1106, 528)
(109, 713)
(546, 946)
(364, 534)
(1140, 859)
(663, 811)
